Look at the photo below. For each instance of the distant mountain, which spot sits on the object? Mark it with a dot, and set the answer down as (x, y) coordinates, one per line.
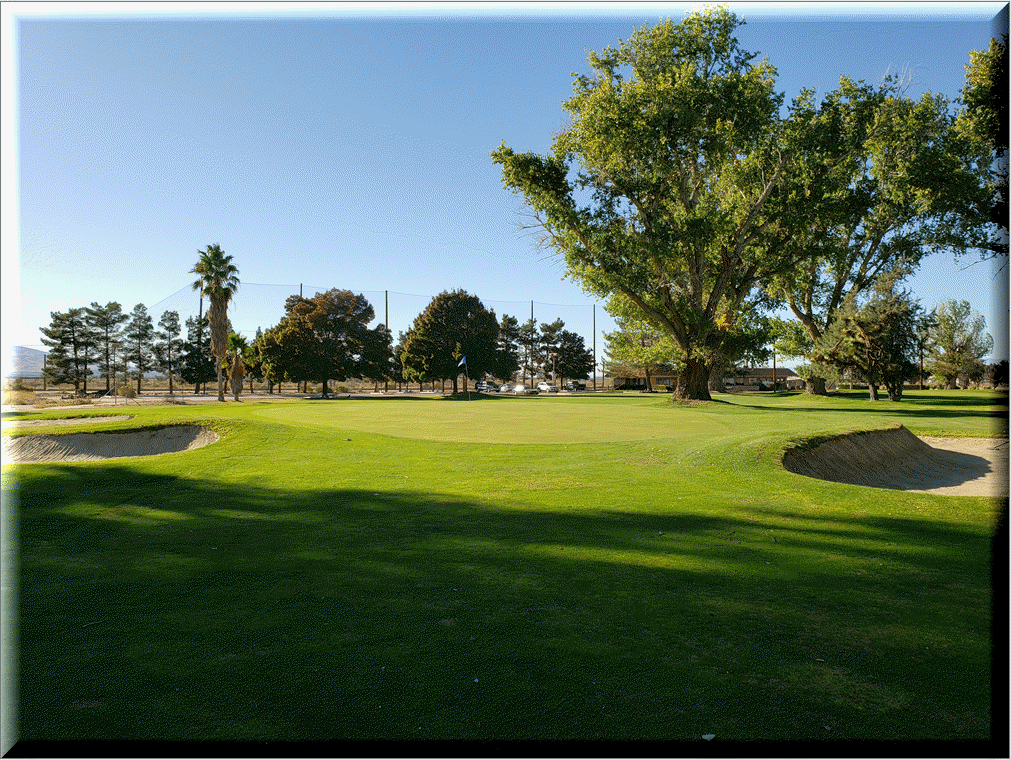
(26, 362)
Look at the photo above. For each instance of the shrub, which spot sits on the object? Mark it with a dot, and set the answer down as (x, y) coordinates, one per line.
(19, 396)
(127, 391)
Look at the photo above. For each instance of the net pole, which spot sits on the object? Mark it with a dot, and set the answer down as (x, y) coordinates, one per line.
(386, 382)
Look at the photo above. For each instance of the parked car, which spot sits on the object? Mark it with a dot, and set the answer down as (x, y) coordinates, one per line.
(547, 388)
(506, 388)
(524, 390)
(572, 385)
(486, 385)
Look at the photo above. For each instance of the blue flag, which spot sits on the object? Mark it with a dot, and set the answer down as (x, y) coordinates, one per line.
(462, 362)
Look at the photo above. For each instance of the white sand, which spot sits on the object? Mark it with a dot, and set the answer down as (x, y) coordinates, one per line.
(899, 460)
(71, 421)
(80, 447)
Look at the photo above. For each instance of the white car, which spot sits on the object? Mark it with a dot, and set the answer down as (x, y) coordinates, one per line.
(547, 388)
(523, 390)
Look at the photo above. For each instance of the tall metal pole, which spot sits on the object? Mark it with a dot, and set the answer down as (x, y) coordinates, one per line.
(595, 346)
(386, 382)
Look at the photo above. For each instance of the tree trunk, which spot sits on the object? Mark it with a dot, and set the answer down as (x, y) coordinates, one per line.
(455, 385)
(874, 391)
(693, 382)
(716, 380)
(815, 385)
(894, 392)
(326, 384)
(221, 378)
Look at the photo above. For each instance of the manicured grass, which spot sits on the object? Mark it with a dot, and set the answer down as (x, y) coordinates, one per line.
(515, 568)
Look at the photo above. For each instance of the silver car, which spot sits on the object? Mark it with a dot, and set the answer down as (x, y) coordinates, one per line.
(524, 390)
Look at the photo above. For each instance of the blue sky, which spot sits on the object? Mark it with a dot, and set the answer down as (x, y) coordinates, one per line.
(348, 146)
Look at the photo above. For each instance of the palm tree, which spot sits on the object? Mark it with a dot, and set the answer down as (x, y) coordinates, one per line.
(218, 280)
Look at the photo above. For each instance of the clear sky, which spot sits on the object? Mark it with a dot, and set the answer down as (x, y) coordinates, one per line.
(347, 146)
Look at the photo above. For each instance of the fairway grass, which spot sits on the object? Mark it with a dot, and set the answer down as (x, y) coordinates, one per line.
(512, 568)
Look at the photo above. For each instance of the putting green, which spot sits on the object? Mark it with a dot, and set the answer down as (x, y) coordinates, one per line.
(507, 420)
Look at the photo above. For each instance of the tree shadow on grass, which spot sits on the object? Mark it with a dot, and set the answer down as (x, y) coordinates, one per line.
(162, 607)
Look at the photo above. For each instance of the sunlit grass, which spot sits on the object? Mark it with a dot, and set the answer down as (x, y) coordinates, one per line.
(514, 568)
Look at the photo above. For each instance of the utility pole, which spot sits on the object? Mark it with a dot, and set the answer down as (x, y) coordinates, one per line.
(594, 345)
(386, 381)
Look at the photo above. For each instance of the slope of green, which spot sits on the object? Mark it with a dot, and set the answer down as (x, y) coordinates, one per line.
(528, 568)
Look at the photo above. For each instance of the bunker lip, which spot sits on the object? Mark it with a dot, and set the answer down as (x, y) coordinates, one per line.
(896, 459)
(82, 447)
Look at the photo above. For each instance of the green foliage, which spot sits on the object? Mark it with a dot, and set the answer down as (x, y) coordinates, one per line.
(169, 346)
(69, 340)
(887, 202)
(983, 123)
(636, 344)
(197, 364)
(959, 343)
(875, 341)
(218, 279)
(508, 349)
(106, 323)
(677, 184)
(573, 360)
(325, 338)
(453, 325)
(789, 338)
(138, 344)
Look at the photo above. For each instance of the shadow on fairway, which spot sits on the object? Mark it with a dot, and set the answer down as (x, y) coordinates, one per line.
(157, 607)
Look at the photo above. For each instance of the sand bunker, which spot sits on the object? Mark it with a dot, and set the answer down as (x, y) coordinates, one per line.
(67, 421)
(899, 460)
(81, 447)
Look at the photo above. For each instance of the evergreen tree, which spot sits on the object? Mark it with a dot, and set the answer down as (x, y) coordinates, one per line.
(454, 325)
(69, 341)
(529, 340)
(139, 339)
(573, 361)
(508, 347)
(197, 365)
(106, 323)
(168, 350)
(874, 342)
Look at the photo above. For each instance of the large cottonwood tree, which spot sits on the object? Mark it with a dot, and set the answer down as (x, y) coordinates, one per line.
(900, 193)
(676, 183)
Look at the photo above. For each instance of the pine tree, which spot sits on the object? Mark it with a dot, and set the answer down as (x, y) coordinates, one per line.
(168, 349)
(139, 336)
(70, 341)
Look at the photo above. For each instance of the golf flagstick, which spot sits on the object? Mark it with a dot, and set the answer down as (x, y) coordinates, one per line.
(466, 370)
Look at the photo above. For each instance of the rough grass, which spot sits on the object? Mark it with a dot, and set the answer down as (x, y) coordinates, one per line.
(529, 568)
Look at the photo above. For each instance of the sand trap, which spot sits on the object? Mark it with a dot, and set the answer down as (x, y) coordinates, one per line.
(899, 460)
(67, 421)
(81, 447)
